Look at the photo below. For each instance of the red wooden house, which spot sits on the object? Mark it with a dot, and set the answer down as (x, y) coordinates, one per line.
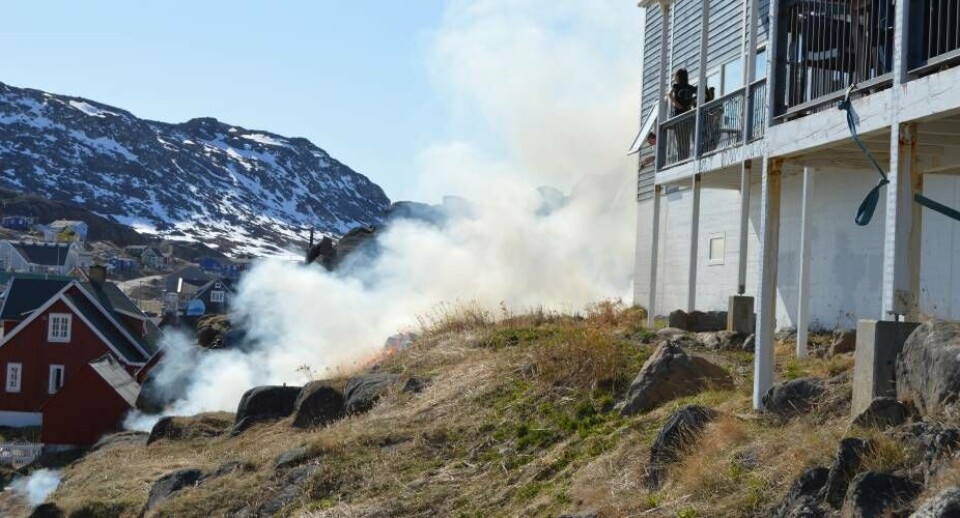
(55, 330)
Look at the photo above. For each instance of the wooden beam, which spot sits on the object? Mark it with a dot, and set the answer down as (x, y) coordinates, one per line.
(745, 174)
(767, 282)
(654, 257)
(901, 244)
(803, 304)
(694, 245)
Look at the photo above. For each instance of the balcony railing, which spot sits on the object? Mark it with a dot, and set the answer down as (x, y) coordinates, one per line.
(935, 34)
(723, 123)
(757, 110)
(676, 139)
(827, 45)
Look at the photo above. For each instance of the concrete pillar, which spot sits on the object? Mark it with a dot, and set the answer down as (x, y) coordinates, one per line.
(874, 368)
(903, 229)
(767, 282)
(694, 242)
(803, 305)
(654, 257)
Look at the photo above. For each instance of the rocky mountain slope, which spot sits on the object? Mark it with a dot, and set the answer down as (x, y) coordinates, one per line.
(246, 191)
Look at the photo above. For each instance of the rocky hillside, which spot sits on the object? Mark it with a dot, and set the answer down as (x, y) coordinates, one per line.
(550, 415)
(247, 191)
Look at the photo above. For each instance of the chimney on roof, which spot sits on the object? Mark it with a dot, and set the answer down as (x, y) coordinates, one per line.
(97, 274)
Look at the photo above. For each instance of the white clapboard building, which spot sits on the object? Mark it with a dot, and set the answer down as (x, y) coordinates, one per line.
(757, 190)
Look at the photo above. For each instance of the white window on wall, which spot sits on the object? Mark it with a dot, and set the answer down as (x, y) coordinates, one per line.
(217, 297)
(58, 327)
(14, 376)
(717, 248)
(56, 378)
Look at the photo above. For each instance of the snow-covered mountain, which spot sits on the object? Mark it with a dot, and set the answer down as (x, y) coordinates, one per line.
(241, 190)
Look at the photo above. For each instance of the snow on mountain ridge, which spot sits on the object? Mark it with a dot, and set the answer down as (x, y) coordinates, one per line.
(246, 191)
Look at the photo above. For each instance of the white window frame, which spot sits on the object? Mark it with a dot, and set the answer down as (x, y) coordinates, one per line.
(55, 338)
(50, 380)
(218, 297)
(18, 368)
(715, 261)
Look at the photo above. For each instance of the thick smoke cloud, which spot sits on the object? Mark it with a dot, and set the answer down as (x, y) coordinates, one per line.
(555, 86)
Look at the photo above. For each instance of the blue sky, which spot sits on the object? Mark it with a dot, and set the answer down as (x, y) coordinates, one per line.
(371, 82)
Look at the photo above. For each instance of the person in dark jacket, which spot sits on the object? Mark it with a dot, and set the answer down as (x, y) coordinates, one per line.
(682, 98)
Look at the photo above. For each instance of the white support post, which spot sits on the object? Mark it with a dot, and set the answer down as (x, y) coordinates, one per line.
(749, 58)
(803, 306)
(746, 172)
(902, 233)
(767, 285)
(664, 80)
(654, 257)
(694, 242)
(701, 78)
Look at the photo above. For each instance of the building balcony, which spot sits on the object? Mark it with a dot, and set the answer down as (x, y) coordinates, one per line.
(734, 119)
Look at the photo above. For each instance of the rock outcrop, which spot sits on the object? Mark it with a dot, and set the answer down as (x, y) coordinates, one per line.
(946, 504)
(874, 494)
(317, 404)
(669, 374)
(803, 498)
(682, 429)
(883, 412)
(362, 392)
(847, 463)
(928, 369)
(793, 397)
(698, 321)
(177, 428)
(262, 404)
(170, 483)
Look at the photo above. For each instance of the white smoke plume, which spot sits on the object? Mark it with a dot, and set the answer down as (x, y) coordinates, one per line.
(555, 83)
(38, 486)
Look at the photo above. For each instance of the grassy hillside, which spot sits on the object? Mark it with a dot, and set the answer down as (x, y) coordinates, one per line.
(517, 418)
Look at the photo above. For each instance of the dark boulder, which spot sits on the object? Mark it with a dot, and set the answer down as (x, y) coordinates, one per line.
(928, 369)
(793, 397)
(802, 500)
(290, 489)
(847, 463)
(291, 458)
(178, 428)
(932, 445)
(231, 466)
(945, 504)
(362, 392)
(749, 344)
(669, 374)
(879, 494)
(47, 510)
(883, 412)
(844, 341)
(698, 321)
(262, 404)
(170, 483)
(681, 430)
(317, 404)
(121, 439)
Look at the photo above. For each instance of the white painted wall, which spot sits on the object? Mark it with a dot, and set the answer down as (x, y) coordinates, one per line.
(641, 274)
(846, 261)
(940, 257)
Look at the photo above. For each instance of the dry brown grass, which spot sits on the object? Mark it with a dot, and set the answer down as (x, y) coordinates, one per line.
(516, 419)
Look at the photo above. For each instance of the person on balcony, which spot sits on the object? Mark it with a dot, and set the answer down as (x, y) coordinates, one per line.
(682, 98)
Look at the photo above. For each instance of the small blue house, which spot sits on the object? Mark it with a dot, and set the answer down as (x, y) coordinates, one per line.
(22, 223)
(123, 264)
(209, 264)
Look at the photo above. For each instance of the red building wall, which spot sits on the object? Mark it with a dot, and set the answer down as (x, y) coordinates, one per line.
(83, 411)
(31, 349)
